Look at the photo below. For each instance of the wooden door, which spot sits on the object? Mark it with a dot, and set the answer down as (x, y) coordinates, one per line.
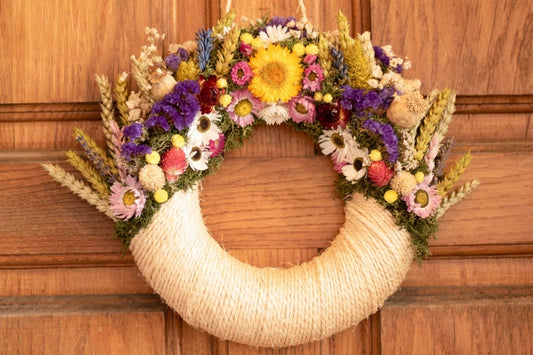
(67, 287)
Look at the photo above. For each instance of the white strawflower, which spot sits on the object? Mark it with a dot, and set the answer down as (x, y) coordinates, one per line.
(274, 113)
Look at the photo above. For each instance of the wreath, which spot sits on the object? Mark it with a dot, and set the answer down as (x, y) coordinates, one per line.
(385, 139)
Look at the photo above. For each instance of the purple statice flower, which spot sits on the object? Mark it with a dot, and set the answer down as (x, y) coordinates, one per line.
(130, 150)
(280, 21)
(371, 100)
(179, 107)
(398, 69)
(379, 53)
(351, 98)
(389, 138)
(204, 39)
(174, 60)
(133, 131)
(387, 95)
(157, 121)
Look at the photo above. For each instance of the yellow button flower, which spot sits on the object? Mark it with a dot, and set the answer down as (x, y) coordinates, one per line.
(311, 49)
(375, 155)
(222, 83)
(152, 158)
(178, 141)
(419, 176)
(390, 196)
(161, 196)
(298, 49)
(225, 100)
(328, 98)
(318, 96)
(257, 43)
(247, 38)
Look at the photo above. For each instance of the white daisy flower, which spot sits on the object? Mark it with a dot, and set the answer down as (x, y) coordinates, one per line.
(357, 167)
(197, 155)
(338, 143)
(204, 128)
(274, 113)
(274, 34)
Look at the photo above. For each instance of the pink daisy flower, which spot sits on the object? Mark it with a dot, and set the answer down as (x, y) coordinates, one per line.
(313, 77)
(241, 73)
(127, 198)
(302, 109)
(424, 199)
(216, 147)
(243, 107)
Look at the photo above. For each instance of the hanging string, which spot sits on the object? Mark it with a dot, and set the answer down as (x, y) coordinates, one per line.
(228, 6)
(301, 7)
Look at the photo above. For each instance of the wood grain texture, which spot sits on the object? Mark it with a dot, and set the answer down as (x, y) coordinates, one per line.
(470, 46)
(88, 325)
(466, 321)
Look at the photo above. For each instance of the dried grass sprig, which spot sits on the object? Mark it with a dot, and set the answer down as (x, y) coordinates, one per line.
(444, 152)
(89, 173)
(324, 55)
(408, 156)
(226, 53)
(345, 40)
(121, 97)
(431, 120)
(141, 74)
(456, 196)
(442, 126)
(102, 162)
(106, 107)
(79, 188)
(224, 22)
(454, 174)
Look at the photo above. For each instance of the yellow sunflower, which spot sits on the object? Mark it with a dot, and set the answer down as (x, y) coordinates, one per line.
(277, 74)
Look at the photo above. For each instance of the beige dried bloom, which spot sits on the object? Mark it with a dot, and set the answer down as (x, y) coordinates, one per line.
(407, 110)
(403, 183)
(152, 177)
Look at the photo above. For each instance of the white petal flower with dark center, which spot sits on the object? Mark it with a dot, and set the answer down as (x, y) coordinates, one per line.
(339, 143)
(357, 167)
(197, 155)
(204, 128)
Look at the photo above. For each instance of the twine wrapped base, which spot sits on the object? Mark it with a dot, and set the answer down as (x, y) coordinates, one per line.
(272, 307)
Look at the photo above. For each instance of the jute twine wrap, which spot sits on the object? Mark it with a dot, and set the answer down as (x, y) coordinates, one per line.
(272, 307)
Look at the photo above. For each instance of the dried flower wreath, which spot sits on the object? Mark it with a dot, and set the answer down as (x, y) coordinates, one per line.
(386, 141)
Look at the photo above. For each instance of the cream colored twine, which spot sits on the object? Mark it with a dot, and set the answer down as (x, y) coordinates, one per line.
(272, 307)
(301, 7)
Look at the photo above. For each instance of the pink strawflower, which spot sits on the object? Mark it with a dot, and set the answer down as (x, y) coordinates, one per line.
(246, 49)
(173, 163)
(313, 77)
(379, 173)
(310, 58)
(216, 147)
(241, 73)
(127, 198)
(302, 109)
(424, 199)
(243, 107)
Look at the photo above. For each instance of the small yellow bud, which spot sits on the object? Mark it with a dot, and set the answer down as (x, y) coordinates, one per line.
(257, 43)
(152, 158)
(247, 38)
(222, 83)
(328, 98)
(178, 141)
(318, 96)
(390, 196)
(375, 155)
(311, 49)
(298, 49)
(419, 176)
(161, 195)
(225, 100)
